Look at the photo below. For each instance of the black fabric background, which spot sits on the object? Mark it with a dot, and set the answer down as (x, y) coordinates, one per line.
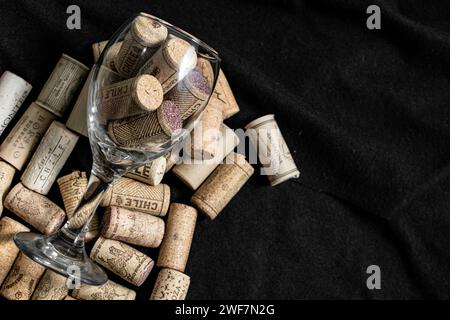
(365, 114)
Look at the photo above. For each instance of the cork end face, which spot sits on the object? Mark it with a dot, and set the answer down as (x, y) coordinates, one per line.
(276, 180)
(7, 170)
(204, 67)
(228, 113)
(193, 184)
(108, 216)
(145, 273)
(166, 199)
(11, 195)
(185, 209)
(147, 92)
(149, 32)
(91, 236)
(181, 54)
(74, 61)
(56, 222)
(204, 207)
(97, 49)
(169, 118)
(158, 169)
(95, 248)
(49, 108)
(71, 176)
(223, 89)
(260, 121)
(196, 81)
(9, 76)
(240, 161)
(131, 295)
(160, 234)
(6, 223)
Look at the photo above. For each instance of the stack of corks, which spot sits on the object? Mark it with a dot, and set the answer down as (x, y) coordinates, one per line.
(144, 99)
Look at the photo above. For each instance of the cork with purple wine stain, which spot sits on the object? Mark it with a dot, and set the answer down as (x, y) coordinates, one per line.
(191, 94)
(146, 128)
(169, 118)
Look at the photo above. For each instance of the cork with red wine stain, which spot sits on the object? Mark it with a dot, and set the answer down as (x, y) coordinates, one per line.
(191, 94)
(169, 118)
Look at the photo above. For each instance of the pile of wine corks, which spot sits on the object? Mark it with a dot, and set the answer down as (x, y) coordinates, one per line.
(137, 214)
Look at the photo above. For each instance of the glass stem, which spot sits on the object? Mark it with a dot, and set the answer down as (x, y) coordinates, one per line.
(75, 229)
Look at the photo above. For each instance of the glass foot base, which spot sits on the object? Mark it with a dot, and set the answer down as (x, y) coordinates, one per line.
(60, 255)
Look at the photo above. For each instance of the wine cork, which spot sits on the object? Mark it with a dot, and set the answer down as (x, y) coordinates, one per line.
(190, 94)
(78, 117)
(172, 158)
(24, 137)
(49, 158)
(125, 261)
(8, 249)
(169, 118)
(131, 97)
(35, 209)
(6, 177)
(195, 173)
(141, 42)
(134, 195)
(22, 279)
(72, 187)
(51, 287)
(150, 173)
(62, 84)
(177, 241)
(204, 67)
(223, 92)
(97, 49)
(137, 130)
(206, 134)
(222, 185)
(133, 227)
(109, 60)
(171, 63)
(13, 92)
(273, 152)
(108, 291)
(170, 285)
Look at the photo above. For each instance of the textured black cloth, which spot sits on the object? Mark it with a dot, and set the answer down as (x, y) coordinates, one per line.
(364, 112)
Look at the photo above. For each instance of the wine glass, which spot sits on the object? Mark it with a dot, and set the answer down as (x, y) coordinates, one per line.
(146, 92)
